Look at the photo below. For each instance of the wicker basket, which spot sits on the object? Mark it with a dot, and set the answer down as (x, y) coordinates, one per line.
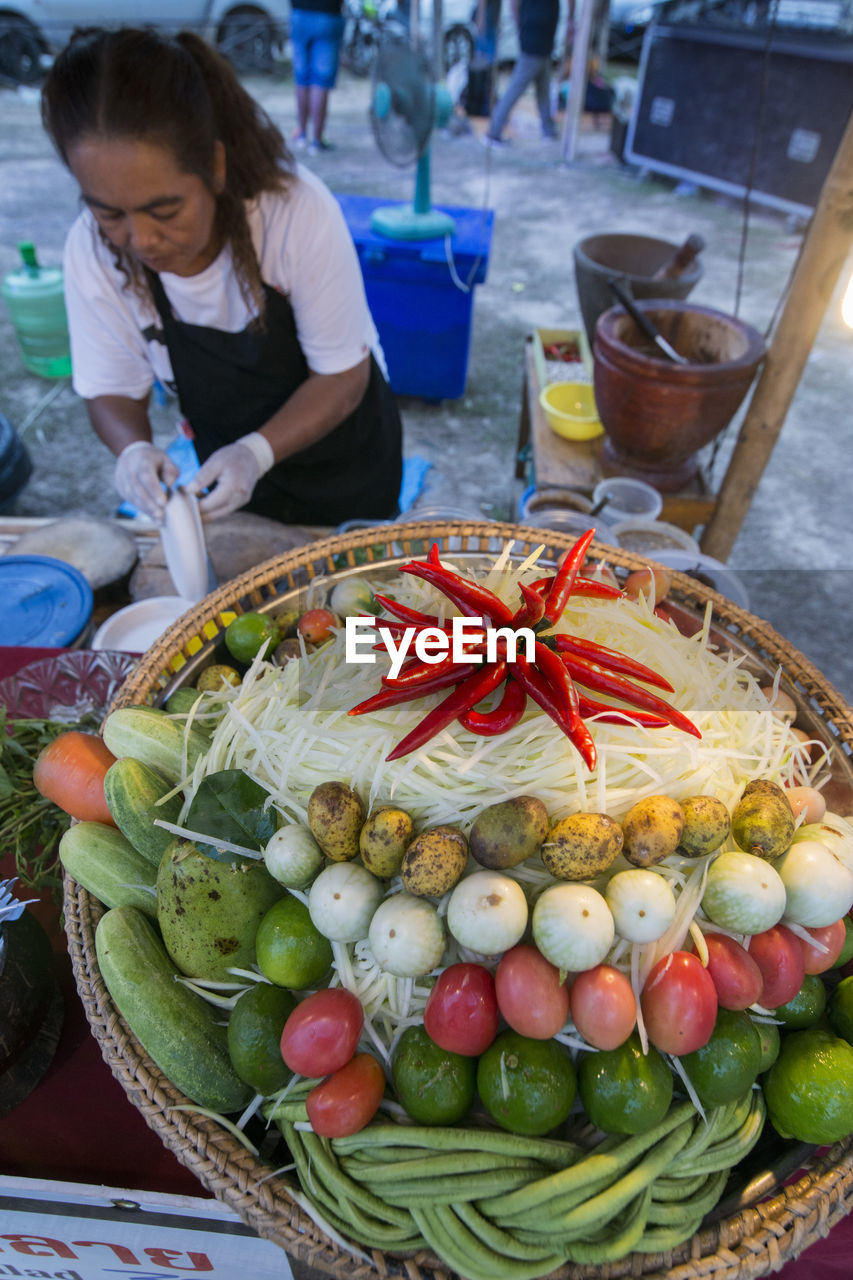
(752, 1241)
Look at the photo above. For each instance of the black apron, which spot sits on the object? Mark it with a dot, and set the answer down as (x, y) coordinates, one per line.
(229, 384)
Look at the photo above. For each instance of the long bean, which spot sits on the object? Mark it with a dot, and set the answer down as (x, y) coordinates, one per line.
(445, 1138)
(619, 1243)
(603, 1207)
(662, 1239)
(337, 1181)
(699, 1203)
(592, 1166)
(672, 1187)
(504, 1243)
(458, 1246)
(463, 1186)
(438, 1166)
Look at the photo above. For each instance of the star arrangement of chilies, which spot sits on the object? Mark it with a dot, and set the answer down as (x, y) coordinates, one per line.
(564, 675)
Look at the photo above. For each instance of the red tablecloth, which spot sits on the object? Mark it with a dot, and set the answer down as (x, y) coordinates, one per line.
(78, 1125)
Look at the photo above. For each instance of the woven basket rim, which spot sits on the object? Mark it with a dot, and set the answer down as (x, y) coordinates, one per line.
(750, 1243)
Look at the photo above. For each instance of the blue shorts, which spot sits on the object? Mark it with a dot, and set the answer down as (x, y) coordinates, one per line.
(315, 39)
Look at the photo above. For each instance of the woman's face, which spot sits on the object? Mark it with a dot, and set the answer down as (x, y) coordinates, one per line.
(146, 205)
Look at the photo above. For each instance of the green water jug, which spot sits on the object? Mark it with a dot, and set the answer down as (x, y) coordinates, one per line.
(36, 302)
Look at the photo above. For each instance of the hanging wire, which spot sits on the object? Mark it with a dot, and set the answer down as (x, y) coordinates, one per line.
(756, 146)
(466, 285)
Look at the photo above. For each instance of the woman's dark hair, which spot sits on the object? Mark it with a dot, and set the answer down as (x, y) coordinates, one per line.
(179, 93)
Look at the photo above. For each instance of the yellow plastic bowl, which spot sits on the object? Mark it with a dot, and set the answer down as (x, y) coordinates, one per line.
(569, 409)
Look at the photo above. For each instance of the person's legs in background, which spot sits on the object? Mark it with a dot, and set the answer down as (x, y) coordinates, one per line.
(543, 99)
(300, 24)
(525, 70)
(324, 50)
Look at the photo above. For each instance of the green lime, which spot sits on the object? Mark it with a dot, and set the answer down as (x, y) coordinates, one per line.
(803, 1009)
(247, 632)
(433, 1085)
(846, 954)
(841, 1009)
(527, 1086)
(809, 1088)
(291, 950)
(624, 1090)
(770, 1040)
(254, 1036)
(728, 1065)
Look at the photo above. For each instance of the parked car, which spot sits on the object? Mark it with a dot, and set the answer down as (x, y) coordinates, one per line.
(629, 19)
(251, 34)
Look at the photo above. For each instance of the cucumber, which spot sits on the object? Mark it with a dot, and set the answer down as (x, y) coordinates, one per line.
(133, 791)
(182, 701)
(106, 863)
(170, 747)
(175, 1027)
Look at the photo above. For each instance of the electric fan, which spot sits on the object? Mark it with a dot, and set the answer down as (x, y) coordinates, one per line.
(404, 107)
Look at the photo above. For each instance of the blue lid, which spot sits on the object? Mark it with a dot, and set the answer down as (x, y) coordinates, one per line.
(45, 602)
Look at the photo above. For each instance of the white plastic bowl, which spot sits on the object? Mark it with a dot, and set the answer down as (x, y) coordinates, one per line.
(136, 627)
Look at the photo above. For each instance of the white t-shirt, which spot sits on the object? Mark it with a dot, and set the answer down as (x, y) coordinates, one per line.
(304, 249)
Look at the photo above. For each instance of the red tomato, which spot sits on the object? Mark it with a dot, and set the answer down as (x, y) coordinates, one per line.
(461, 1013)
(733, 971)
(348, 1100)
(832, 937)
(604, 1008)
(679, 1003)
(315, 625)
(322, 1033)
(779, 956)
(531, 995)
(70, 772)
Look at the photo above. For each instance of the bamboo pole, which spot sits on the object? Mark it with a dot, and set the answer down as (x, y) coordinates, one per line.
(822, 257)
(577, 82)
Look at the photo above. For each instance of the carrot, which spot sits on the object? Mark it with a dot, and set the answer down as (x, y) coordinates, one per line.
(70, 773)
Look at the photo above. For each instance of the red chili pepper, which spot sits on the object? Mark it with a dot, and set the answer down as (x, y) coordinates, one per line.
(607, 714)
(504, 716)
(583, 587)
(594, 587)
(407, 614)
(433, 556)
(538, 688)
(472, 599)
(595, 677)
(612, 659)
(465, 696)
(555, 673)
(421, 673)
(393, 697)
(561, 587)
(530, 612)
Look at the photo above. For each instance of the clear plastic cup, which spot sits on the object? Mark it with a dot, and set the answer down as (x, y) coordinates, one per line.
(624, 498)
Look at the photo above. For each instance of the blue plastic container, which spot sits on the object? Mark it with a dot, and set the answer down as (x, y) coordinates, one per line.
(422, 314)
(47, 603)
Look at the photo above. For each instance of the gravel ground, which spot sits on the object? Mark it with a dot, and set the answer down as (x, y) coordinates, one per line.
(793, 552)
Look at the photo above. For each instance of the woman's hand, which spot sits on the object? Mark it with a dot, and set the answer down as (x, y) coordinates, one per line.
(141, 471)
(231, 474)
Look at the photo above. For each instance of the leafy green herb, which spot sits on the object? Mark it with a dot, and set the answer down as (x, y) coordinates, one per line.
(230, 805)
(31, 826)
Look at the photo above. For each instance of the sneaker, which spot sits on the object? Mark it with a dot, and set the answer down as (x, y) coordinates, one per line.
(298, 142)
(496, 144)
(318, 145)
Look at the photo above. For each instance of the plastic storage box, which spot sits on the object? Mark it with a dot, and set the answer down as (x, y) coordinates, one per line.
(421, 295)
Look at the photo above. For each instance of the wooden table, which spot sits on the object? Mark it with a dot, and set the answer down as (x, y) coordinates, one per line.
(548, 460)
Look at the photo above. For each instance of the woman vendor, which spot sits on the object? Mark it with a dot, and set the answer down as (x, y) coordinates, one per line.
(206, 259)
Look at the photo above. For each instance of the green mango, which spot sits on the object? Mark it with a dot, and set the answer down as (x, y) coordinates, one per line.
(209, 911)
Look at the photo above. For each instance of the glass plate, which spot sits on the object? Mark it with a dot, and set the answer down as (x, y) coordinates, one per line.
(66, 687)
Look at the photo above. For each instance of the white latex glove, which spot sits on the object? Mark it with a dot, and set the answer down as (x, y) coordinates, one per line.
(231, 475)
(141, 470)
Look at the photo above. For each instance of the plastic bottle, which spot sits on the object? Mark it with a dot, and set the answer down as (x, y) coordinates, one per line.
(681, 259)
(36, 302)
